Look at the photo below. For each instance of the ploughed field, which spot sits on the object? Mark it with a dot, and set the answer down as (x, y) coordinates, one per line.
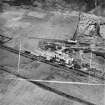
(16, 90)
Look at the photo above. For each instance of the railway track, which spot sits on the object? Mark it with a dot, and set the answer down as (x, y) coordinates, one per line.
(41, 59)
(67, 76)
(4, 39)
(48, 88)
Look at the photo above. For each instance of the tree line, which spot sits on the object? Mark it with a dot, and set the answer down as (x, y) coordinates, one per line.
(89, 4)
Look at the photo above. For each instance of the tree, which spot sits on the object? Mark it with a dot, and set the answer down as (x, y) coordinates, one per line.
(1, 6)
(24, 2)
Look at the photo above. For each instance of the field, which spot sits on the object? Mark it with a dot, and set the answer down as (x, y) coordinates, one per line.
(21, 92)
(27, 28)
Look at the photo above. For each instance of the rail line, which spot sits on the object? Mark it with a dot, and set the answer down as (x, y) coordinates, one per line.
(4, 39)
(34, 57)
(48, 88)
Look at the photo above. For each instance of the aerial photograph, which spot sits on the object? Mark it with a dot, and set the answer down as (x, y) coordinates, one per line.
(52, 52)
